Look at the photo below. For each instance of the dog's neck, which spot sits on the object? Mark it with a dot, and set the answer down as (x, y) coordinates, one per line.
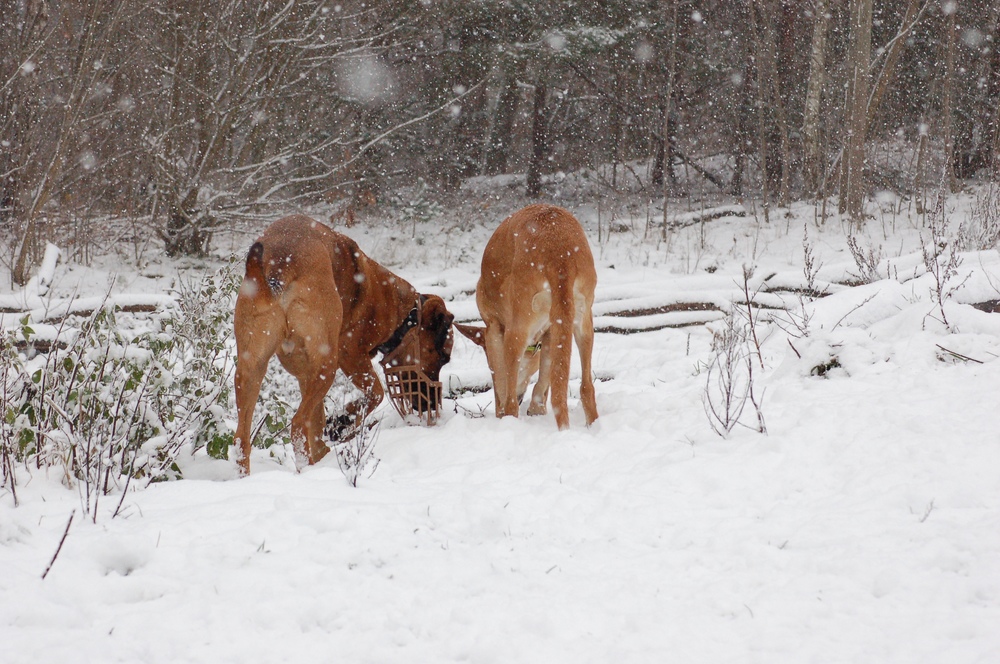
(411, 321)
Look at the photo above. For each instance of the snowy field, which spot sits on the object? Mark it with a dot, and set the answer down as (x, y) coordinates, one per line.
(864, 526)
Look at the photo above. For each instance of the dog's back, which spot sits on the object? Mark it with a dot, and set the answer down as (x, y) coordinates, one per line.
(536, 289)
(289, 248)
(289, 305)
(312, 297)
(540, 248)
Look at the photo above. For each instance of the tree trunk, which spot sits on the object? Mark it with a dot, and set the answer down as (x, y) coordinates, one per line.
(668, 109)
(81, 83)
(664, 161)
(743, 132)
(499, 144)
(187, 232)
(977, 121)
(539, 147)
(893, 51)
(993, 124)
(781, 55)
(813, 165)
(991, 110)
(773, 136)
(853, 180)
(663, 164)
(948, 100)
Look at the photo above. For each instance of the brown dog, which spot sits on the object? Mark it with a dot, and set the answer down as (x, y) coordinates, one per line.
(535, 294)
(314, 298)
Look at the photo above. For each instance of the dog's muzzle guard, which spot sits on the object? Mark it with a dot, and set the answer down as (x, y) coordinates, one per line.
(410, 390)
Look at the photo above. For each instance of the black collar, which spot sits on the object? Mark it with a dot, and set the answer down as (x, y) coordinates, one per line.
(410, 322)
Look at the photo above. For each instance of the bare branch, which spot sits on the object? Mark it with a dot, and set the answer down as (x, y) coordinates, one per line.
(62, 540)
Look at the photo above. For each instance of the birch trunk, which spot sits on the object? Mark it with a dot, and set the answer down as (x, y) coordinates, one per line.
(813, 161)
(948, 101)
(853, 182)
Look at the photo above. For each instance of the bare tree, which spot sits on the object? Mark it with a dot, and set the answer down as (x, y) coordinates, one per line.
(949, 44)
(853, 182)
(24, 32)
(243, 107)
(990, 110)
(181, 115)
(813, 161)
(538, 141)
(498, 148)
(666, 158)
(92, 27)
(891, 53)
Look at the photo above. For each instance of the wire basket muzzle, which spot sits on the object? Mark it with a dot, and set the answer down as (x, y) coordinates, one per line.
(411, 391)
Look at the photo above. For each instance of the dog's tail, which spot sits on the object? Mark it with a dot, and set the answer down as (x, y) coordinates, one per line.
(255, 270)
(268, 277)
(255, 262)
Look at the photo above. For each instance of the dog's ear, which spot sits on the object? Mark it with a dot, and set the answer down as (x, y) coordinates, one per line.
(441, 320)
(437, 319)
(474, 332)
(435, 314)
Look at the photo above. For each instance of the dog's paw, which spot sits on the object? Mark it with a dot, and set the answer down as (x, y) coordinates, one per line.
(338, 426)
(536, 408)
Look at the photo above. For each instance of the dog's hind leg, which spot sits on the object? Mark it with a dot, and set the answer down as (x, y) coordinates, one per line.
(584, 333)
(307, 423)
(310, 353)
(258, 332)
(560, 349)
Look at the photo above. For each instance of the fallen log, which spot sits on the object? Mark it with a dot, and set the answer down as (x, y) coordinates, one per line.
(708, 214)
(56, 310)
(990, 306)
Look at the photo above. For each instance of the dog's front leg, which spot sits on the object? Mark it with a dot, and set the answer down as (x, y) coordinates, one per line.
(362, 375)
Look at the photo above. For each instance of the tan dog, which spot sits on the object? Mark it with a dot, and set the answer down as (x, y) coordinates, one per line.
(314, 298)
(535, 294)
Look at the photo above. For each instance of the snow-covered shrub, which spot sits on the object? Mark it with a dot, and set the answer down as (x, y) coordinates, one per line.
(199, 337)
(811, 266)
(353, 446)
(867, 260)
(941, 254)
(729, 376)
(111, 403)
(356, 455)
(13, 383)
(417, 207)
(981, 230)
(89, 406)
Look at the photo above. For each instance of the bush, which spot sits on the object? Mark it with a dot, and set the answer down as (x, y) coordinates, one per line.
(112, 403)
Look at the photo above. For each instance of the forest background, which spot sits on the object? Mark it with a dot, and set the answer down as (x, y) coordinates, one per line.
(165, 120)
(794, 211)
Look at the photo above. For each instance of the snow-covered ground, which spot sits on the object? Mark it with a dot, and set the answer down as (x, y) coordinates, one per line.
(864, 526)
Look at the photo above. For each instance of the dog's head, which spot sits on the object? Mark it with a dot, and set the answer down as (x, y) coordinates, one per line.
(434, 335)
(527, 367)
(427, 347)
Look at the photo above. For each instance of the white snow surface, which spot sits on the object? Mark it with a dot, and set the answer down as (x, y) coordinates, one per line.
(864, 526)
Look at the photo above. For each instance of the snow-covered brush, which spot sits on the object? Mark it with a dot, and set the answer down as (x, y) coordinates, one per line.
(356, 456)
(726, 385)
(729, 374)
(867, 260)
(108, 405)
(13, 383)
(941, 255)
